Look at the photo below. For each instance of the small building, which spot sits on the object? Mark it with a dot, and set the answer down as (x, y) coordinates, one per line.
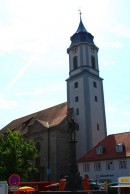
(108, 160)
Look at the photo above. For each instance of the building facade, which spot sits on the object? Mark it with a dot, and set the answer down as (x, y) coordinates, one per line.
(85, 96)
(108, 160)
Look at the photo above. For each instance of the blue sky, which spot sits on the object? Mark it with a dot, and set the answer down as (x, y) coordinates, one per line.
(34, 37)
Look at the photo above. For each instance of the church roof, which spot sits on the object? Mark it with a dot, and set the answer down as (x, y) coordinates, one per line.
(109, 148)
(49, 117)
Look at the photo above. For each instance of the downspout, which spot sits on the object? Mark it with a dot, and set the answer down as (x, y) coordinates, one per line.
(48, 154)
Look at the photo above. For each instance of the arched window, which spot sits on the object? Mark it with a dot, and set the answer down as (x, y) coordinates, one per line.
(75, 62)
(93, 62)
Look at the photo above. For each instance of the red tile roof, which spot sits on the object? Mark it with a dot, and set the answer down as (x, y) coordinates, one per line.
(49, 117)
(109, 143)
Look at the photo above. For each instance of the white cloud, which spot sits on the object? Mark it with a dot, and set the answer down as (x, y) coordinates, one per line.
(34, 92)
(111, 109)
(118, 102)
(22, 71)
(7, 104)
(2, 122)
(121, 30)
(126, 114)
(51, 88)
(115, 44)
(109, 63)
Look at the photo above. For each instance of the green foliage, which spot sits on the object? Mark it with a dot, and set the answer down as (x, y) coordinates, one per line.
(16, 156)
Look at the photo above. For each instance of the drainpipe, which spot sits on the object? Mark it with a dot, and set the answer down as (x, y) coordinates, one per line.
(48, 154)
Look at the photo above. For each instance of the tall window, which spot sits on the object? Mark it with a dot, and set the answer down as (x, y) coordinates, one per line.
(109, 165)
(100, 149)
(98, 126)
(77, 111)
(75, 62)
(76, 99)
(94, 84)
(120, 147)
(93, 62)
(122, 164)
(38, 146)
(86, 167)
(76, 85)
(97, 166)
(96, 98)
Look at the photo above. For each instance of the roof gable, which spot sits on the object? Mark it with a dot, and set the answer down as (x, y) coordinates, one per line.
(110, 152)
(53, 116)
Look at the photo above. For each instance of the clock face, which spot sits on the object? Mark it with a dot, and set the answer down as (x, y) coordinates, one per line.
(75, 49)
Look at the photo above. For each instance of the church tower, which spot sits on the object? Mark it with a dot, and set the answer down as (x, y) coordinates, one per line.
(85, 96)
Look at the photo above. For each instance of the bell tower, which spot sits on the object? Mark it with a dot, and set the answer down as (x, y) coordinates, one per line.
(85, 95)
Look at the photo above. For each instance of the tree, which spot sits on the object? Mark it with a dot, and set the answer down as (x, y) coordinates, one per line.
(16, 156)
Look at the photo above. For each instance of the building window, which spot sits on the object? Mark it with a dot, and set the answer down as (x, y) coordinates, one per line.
(76, 99)
(76, 85)
(94, 84)
(100, 149)
(109, 165)
(38, 146)
(93, 62)
(25, 124)
(98, 126)
(97, 166)
(96, 98)
(77, 111)
(120, 147)
(86, 167)
(37, 162)
(75, 63)
(122, 164)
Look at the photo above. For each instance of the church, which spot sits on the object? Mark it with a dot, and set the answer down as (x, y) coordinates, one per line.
(49, 128)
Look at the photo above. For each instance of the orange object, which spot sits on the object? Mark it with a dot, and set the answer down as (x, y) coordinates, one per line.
(86, 184)
(62, 184)
(27, 189)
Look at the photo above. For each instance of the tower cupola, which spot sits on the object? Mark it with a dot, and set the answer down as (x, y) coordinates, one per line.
(81, 35)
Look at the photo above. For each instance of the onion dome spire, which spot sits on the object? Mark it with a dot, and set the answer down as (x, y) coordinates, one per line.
(81, 27)
(81, 35)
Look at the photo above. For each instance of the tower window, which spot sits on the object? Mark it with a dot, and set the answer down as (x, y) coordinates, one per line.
(94, 84)
(76, 85)
(75, 63)
(98, 126)
(77, 111)
(76, 99)
(92, 49)
(96, 98)
(93, 62)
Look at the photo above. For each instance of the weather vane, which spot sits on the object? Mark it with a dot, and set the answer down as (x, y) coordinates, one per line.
(80, 12)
